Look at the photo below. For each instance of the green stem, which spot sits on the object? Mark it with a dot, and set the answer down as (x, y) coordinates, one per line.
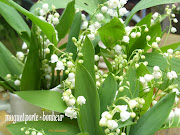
(168, 31)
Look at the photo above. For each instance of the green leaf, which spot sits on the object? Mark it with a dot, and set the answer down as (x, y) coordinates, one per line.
(108, 64)
(88, 57)
(111, 32)
(9, 65)
(15, 21)
(143, 4)
(31, 77)
(66, 20)
(107, 53)
(88, 6)
(74, 32)
(133, 90)
(175, 47)
(49, 127)
(6, 86)
(107, 92)
(155, 59)
(153, 119)
(126, 123)
(141, 42)
(90, 112)
(141, 71)
(50, 100)
(145, 21)
(47, 28)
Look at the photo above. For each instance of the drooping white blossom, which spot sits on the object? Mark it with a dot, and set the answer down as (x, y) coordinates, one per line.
(24, 46)
(118, 49)
(125, 115)
(17, 82)
(54, 58)
(99, 17)
(59, 65)
(123, 11)
(112, 124)
(81, 100)
(173, 30)
(70, 112)
(104, 9)
(20, 56)
(125, 39)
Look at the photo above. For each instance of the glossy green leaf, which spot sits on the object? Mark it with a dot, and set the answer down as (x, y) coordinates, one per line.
(111, 32)
(143, 4)
(90, 112)
(15, 21)
(9, 65)
(88, 57)
(66, 20)
(74, 32)
(88, 6)
(145, 21)
(175, 47)
(141, 42)
(107, 92)
(154, 118)
(31, 77)
(50, 100)
(49, 127)
(47, 28)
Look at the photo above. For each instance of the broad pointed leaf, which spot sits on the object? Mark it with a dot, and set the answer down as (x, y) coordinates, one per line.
(107, 92)
(50, 100)
(154, 118)
(90, 112)
(66, 20)
(31, 77)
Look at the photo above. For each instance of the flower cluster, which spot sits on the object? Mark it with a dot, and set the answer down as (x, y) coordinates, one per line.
(125, 113)
(70, 100)
(32, 131)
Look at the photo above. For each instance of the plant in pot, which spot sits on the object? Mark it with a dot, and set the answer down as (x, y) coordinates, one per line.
(16, 74)
(137, 95)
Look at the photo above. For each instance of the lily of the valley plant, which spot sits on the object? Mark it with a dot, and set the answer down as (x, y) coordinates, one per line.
(137, 93)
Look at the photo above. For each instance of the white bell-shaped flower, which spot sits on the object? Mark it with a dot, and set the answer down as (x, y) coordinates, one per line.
(70, 112)
(81, 100)
(99, 17)
(59, 65)
(132, 103)
(112, 124)
(54, 58)
(17, 82)
(103, 122)
(125, 115)
(125, 39)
